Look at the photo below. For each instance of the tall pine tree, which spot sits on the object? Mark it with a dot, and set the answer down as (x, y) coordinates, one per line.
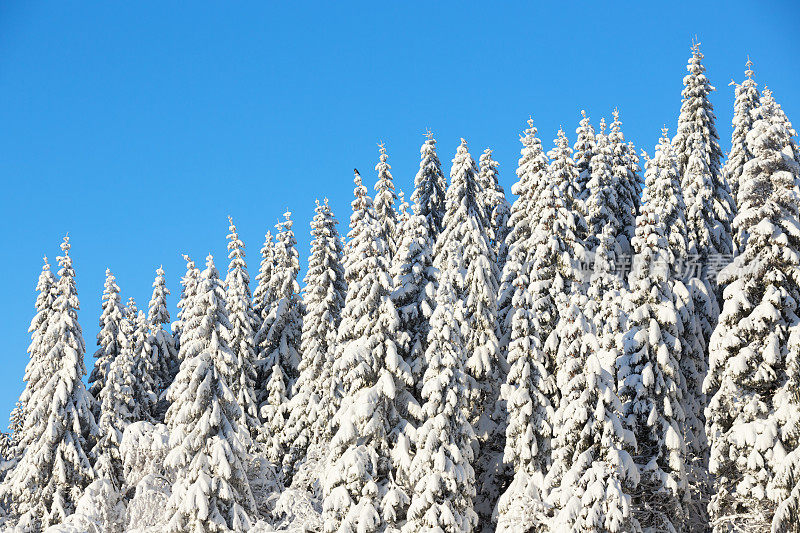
(441, 474)
(709, 207)
(55, 464)
(385, 198)
(361, 490)
(751, 366)
(208, 438)
(108, 338)
(324, 293)
(430, 186)
(241, 340)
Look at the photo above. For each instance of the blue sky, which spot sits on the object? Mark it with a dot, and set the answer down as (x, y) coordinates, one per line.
(139, 127)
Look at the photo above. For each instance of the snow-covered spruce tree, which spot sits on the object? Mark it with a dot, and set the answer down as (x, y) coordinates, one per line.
(162, 345)
(784, 488)
(208, 439)
(145, 392)
(430, 186)
(369, 446)
(625, 166)
(262, 298)
(16, 421)
(529, 383)
(402, 214)
(709, 207)
(40, 367)
(280, 332)
(465, 241)
(649, 382)
(414, 289)
(531, 178)
(118, 407)
(746, 101)
(385, 199)
(241, 341)
(583, 153)
(540, 299)
(665, 198)
(750, 364)
(108, 338)
(325, 289)
(188, 292)
(497, 208)
(564, 172)
(602, 202)
(54, 467)
(273, 412)
(527, 392)
(770, 110)
(593, 474)
(441, 473)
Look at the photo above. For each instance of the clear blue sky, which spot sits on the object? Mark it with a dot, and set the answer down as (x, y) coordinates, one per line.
(138, 128)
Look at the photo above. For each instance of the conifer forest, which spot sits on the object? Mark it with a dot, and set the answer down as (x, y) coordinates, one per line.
(613, 345)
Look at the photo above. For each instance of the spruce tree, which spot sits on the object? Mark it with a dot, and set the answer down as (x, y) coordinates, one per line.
(262, 299)
(709, 207)
(441, 474)
(108, 338)
(361, 491)
(280, 332)
(531, 177)
(752, 366)
(603, 203)
(649, 381)
(241, 340)
(208, 440)
(415, 282)
(583, 151)
(161, 343)
(402, 214)
(565, 173)
(39, 369)
(625, 166)
(55, 464)
(465, 242)
(430, 186)
(324, 294)
(665, 198)
(593, 475)
(188, 292)
(118, 407)
(745, 102)
(385, 199)
(549, 273)
(497, 208)
(274, 411)
(146, 394)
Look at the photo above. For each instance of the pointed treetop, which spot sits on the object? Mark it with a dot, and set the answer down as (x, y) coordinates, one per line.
(210, 262)
(749, 72)
(131, 308)
(602, 126)
(428, 134)
(664, 133)
(65, 246)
